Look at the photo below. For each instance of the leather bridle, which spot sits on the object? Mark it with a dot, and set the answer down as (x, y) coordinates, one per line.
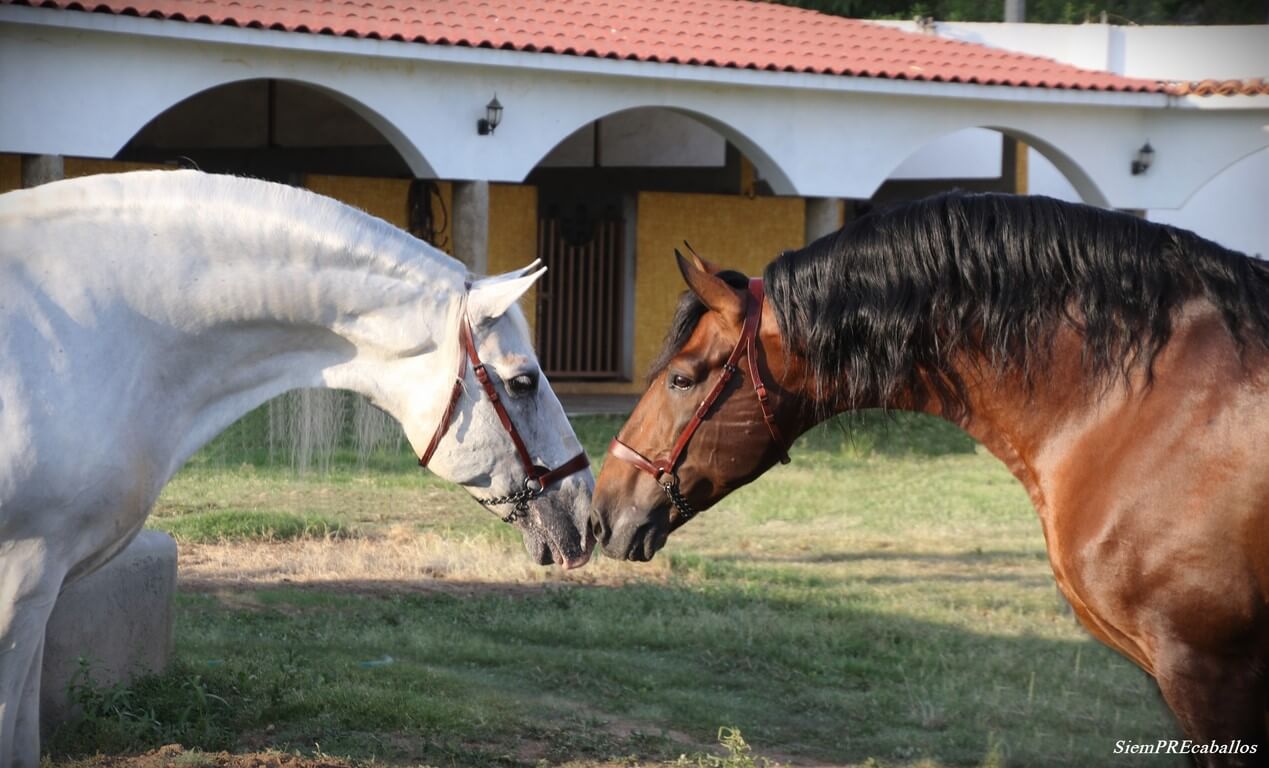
(663, 470)
(537, 479)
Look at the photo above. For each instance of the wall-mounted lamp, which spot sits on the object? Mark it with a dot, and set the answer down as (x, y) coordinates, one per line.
(1145, 156)
(493, 116)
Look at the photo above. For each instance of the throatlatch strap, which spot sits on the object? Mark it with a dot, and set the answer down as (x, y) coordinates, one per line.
(756, 296)
(456, 393)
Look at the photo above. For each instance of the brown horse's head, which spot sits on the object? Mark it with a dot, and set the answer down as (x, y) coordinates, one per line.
(632, 510)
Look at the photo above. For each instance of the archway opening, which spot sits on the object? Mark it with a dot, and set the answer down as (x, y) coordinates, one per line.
(984, 159)
(1228, 207)
(615, 198)
(304, 136)
(271, 129)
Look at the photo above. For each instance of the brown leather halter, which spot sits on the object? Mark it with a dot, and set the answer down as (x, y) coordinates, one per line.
(537, 479)
(663, 470)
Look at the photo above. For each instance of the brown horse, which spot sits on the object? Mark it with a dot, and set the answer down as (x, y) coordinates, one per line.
(1119, 368)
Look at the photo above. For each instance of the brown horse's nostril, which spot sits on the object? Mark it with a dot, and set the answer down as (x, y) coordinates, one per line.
(598, 529)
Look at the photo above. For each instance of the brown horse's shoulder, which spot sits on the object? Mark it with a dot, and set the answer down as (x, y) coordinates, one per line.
(1158, 495)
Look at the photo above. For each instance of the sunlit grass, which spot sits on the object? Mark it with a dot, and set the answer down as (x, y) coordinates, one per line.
(222, 525)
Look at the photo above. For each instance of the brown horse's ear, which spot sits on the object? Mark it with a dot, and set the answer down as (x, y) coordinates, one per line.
(700, 261)
(712, 290)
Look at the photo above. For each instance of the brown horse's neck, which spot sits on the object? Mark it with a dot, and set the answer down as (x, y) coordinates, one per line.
(1041, 428)
(1020, 421)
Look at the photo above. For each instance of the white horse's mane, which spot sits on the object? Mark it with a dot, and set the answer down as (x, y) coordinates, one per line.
(259, 250)
(355, 237)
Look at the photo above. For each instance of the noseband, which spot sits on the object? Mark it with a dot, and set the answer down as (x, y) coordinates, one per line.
(537, 479)
(663, 470)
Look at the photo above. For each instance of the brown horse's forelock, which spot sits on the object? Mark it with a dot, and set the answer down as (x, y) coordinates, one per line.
(882, 307)
(687, 316)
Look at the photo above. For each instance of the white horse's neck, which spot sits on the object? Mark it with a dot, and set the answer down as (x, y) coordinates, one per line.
(220, 293)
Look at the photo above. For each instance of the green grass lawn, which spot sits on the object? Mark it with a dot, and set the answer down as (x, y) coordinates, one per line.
(884, 600)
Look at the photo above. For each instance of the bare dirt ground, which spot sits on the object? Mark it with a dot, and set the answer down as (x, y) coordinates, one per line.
(174, 755)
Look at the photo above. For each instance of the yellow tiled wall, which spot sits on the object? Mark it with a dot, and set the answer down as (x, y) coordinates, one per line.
(10, 173)
(89, 166)
(385, 198)
(513, 235)
(737, 232)
(11, 169)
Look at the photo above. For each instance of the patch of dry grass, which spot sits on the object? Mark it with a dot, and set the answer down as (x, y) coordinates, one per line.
(397, 560)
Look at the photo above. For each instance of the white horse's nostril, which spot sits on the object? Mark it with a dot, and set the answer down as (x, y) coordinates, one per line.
(579, 562)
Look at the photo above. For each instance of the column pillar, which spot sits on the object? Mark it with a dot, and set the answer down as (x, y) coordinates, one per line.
(41, 169)
(823, 215)
(471, 225)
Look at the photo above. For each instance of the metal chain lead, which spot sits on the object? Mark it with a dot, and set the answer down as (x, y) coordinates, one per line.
(680, 502)
(521, 498)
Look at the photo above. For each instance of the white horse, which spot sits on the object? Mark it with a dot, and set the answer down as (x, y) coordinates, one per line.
(143, 313)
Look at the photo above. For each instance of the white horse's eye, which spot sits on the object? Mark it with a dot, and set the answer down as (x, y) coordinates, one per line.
(524, 384)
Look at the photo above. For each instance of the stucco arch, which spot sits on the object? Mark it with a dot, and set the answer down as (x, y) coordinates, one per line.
(408, 151)
(1070, 169)
(766, 166)
(1083, 182)
(1219, 170)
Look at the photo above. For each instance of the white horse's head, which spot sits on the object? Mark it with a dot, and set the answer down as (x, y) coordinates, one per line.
(476, 449)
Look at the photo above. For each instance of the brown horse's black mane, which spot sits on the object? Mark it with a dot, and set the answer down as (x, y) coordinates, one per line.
(884, 304)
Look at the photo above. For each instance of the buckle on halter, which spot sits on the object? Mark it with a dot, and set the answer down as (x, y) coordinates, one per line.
(533, 485)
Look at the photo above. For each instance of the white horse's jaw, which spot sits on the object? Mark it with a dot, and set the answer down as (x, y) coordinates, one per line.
(570, 545)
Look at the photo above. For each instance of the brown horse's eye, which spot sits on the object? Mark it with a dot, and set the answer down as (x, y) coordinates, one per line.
(679, 381)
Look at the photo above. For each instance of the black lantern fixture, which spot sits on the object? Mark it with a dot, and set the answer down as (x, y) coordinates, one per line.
(1145, 156)
(493, 116)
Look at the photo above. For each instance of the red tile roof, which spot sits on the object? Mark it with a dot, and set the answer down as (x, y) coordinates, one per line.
(739, 34)
(1250, 87)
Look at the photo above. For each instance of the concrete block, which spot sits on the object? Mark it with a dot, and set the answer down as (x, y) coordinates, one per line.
(119, 617)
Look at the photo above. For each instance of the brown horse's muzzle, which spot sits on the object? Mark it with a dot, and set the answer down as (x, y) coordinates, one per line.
(629, 514)
(632, 534)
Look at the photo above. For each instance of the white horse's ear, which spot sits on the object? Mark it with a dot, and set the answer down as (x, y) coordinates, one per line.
(513, 274)
(489, 298)
(532, 266)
